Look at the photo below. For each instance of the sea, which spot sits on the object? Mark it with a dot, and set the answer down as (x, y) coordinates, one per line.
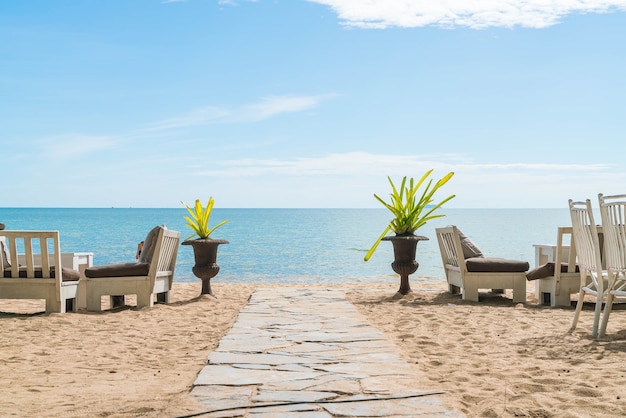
(299, 246)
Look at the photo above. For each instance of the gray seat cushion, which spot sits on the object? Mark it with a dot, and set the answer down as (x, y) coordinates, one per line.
(546, 270)
(495, 265)
(118, 270)
(67, 274)
(141, 268)
(149, 245)
(470, 249)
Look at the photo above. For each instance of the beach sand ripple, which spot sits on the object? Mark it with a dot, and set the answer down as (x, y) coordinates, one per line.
(499, 359)
(493, 358)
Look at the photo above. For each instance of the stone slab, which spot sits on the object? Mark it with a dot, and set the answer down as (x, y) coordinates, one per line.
(309, 353)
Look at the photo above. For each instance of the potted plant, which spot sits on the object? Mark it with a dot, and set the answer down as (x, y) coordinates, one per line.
(204, 247)
(411, 211)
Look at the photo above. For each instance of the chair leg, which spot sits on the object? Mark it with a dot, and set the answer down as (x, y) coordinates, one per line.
(53, 305)
(519, 290)
(562, 299)
(605, 317)
(579, 307)
(144, 299)
(596, 316)
(470, 293)
(93, 302)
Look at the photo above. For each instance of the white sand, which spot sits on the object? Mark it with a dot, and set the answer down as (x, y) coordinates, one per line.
(493, 358)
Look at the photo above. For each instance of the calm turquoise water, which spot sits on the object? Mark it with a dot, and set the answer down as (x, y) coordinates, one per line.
(292, 245)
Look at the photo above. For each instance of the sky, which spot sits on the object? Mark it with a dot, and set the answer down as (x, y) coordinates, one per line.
(310, 103)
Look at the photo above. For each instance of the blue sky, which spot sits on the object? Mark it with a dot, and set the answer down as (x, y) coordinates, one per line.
(270, 103)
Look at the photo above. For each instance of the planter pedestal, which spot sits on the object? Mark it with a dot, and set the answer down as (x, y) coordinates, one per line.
(205, 256)
(404, 248)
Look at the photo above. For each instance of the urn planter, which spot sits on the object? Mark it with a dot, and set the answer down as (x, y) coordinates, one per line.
(205, 257)
(404, 263)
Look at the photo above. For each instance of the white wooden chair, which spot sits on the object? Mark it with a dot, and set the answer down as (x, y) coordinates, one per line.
(593, 280)
(153, 275)
(38, 273)
(613, 213)
(555, 286)
(483, 273)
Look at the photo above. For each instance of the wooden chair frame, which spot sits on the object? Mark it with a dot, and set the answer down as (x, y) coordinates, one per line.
(158, 281)
(60, 296)
(559, 287)
(468, 283)
(613, 213)
(593, 279)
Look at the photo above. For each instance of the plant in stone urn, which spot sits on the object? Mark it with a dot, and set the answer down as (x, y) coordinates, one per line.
(204, 247)
(411, 211)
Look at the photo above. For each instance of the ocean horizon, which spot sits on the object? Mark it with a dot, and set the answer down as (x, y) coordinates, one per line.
(292, 245)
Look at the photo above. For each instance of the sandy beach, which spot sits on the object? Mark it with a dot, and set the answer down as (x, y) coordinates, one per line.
(493, 358)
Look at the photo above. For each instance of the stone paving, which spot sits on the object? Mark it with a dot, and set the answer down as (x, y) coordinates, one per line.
(309, 353)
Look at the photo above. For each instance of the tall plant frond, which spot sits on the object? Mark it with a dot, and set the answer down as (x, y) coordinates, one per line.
(199, 219)
(408, 209)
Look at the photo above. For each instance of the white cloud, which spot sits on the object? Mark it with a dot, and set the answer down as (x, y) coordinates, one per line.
(350, 179)
(200, 116)
(65, 147)
(254, 112)
(233, 2)
(476, 14)
(367, 164)
(276, 105)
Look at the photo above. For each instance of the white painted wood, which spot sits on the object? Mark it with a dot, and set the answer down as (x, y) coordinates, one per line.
(76, 261)
(558, 288)
(41, 248)
(158, 281)
(593, 279)
(468, 283)
(613, 213)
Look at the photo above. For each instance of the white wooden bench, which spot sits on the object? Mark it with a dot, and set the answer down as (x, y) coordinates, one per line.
(468, 275)
(145, 280)
(39, 272)
(556, 289)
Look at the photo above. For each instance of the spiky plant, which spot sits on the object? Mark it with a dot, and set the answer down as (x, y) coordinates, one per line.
(199, 220)
(410, 210)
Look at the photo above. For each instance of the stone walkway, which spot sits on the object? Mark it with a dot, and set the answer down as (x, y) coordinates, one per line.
(309, 353)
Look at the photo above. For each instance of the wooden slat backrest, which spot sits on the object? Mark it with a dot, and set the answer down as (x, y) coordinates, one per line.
(585, 234)
(166, 250)
(450, 246)
(33, 243)
(613, 212)
(36, 246)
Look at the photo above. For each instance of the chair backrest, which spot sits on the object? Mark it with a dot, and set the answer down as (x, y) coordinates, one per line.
(585, 236)
(571, 253)
(167, 250)
(41, 248)
(42, 251)
(450, 247)
(613, 213)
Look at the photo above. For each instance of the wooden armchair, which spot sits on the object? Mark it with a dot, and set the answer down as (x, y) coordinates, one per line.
(593, 276)
(35, 275)
(613, 213)
(467, 270)
(557, 276)
(152, 275)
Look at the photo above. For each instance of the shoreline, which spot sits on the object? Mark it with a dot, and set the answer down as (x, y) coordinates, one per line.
(492, 358)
